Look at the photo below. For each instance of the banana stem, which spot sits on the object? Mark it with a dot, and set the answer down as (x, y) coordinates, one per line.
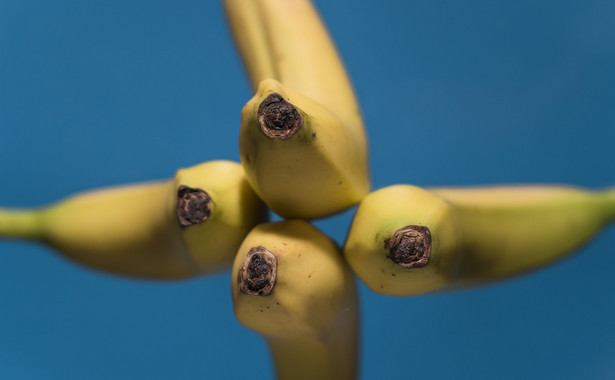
(20, 224)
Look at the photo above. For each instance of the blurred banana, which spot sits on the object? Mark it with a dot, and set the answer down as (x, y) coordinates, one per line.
(183, 227)
(406, 241)
(286, 40)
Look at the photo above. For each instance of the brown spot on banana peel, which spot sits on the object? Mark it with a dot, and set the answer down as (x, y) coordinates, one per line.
(194, 206)
(409, 247)
(278, 118)
(258, 272)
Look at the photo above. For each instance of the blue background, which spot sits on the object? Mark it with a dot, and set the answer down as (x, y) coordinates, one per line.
(96, 93)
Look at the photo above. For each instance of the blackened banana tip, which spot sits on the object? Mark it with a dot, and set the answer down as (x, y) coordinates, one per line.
(410, 246)
(278, 118)
(193, 206)
(258, 272)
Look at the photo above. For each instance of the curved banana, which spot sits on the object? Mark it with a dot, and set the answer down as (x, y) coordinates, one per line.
(298, 156)
(183, 227)
(290, 284)
(406, 241)
(305, 98)
(286, 40)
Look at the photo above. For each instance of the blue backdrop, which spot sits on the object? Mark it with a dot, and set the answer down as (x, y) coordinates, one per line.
(95, 93)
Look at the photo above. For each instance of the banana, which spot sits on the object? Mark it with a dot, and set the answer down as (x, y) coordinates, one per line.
(290, 284)
(405, 240)
(298, 156)
(286, 40)
(303, 143)
(183, 227)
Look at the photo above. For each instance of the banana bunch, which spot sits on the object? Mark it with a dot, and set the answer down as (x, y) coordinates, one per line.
(304, 153)
(291, 284)
(302, 142)
(179, 228)
(405, 240)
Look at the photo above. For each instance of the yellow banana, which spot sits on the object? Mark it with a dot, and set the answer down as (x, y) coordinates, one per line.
(290, 284)
(406, 241)
(302, 141)
(183, 227)
(286, 40)
(298, 156)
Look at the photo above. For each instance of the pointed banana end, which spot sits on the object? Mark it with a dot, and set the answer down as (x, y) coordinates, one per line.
(410, 246)
(258, 272)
